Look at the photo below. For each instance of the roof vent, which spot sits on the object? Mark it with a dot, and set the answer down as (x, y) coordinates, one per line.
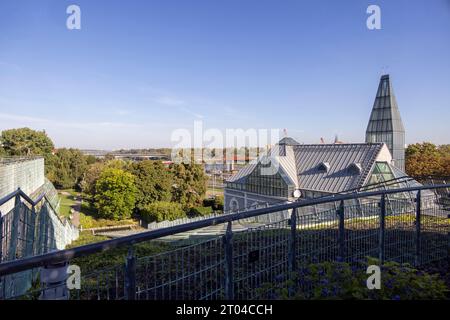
(323, 167)
(355, 168)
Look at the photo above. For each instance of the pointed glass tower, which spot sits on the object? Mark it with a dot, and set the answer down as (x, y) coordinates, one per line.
(385, 123)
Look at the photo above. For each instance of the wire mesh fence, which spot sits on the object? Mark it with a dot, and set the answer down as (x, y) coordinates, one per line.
(29, 231)
(253, 262)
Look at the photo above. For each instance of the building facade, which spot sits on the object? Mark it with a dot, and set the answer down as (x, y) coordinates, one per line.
(315, 170)
(385, 124)
(24, 173)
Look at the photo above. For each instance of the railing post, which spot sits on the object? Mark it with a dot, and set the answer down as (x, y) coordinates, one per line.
(228, 248)
(341, 234)
(293, 241)
(418, 226)
(1, 237)
(381, 246)
(448, 243)
(54, 282)
(14, 228)
(130, 275)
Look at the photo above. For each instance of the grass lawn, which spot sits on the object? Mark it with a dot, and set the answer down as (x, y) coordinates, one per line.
(67, 201)
(88, 215)
(216, 191)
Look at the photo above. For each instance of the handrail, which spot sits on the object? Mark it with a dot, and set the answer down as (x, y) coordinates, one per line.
(67, 254)
(371, 186)
(23, 195)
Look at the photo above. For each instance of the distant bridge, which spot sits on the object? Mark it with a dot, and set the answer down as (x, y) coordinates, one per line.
(132, 156)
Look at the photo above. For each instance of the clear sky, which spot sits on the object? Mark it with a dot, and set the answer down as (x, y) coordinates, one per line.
(137, 70)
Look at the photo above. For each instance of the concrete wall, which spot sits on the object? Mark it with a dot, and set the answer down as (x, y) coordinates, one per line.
(27, 174)
(246, 200)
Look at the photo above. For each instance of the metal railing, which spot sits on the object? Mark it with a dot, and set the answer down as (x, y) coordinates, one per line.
(30, 228)
(237, 265)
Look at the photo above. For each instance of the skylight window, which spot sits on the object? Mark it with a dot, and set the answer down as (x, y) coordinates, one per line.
(355, 168)
(323, 167)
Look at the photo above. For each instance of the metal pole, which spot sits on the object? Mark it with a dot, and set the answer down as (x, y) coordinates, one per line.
(418, 227)
(54, 282)
(448, 243)
(1, 237)
(341, 234)
(130, 275)
(14, 229)
(381, 246)
(293, 241)
(228, 248)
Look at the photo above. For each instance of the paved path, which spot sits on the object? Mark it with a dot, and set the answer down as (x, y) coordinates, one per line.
(76, 208)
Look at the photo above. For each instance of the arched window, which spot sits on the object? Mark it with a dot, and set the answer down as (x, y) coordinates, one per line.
(234, 205)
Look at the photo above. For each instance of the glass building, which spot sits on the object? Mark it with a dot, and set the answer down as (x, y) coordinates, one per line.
(385, 124)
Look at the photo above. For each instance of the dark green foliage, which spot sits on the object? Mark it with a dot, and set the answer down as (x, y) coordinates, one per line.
(66, 167)
(339, 280)
(189, 184)
(26, 142)
(200, 211)
(115, 194)
(160, 211)
(216, 203)
(112, 257)
(208, 202)
(153, 182)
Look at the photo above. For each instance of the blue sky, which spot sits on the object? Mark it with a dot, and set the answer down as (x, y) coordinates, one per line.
(137, 70)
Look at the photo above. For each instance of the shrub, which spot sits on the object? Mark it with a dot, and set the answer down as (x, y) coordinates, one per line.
(200, 211)
(208, 202)
(160, 211)
(218, 203)
(339, 280)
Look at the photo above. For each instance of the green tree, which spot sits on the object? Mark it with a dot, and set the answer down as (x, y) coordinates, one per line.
(189, 184)
(444, 151)
(160, 211)
(90, 177)
(65, 169)
(115, 194)
(153, 182)
(26, 142)
(423, 159)
(93, 171)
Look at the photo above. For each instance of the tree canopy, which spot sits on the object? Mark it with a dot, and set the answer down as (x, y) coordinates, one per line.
(153, 182)
(26, 142)
(66, 167)
(189, 184)
(427, 159)
(115, 194)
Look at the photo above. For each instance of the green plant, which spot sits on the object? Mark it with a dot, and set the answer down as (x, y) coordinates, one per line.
(160, 211)
(115, 194)
(218, 203)
(200, 211)
(339, 280)
(153, 182)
